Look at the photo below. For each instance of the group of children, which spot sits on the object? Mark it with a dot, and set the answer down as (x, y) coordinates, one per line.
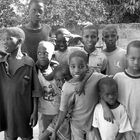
(75, 93)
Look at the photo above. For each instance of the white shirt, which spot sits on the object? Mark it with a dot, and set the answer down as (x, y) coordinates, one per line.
(108, 130)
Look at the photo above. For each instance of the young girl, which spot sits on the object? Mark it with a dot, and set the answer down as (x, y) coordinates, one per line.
(105, 130)
(19, 88)
(81, 116)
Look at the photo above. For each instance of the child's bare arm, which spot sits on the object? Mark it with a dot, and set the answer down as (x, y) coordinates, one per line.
(97, 133)
(108, 115)
(34, 115)
(60, 120)
(80, 88)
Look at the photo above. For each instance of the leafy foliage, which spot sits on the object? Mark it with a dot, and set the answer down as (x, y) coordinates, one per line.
(69, 13)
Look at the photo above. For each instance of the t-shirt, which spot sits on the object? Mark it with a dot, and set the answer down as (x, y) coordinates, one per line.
(108, 130)
(16, 96)
(116, 61)
(32, 39)
(129, 96)
(82, 113)
(50, 103)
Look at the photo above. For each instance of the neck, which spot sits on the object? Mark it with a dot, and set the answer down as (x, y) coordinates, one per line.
(34, 25)
(132, 72)
(89, 50)
(17, 54)
(113, 106)
(111, 48)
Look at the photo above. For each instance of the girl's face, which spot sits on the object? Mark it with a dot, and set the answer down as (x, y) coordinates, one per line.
(59, 79)
(109, 94)
(42, 55)
(133, 60)
(11, 43)
(36, 11)
(78, 67)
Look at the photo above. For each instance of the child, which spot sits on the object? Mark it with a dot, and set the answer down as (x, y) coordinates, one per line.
(34, 30)
(81, 117)
(114, 54)
(19, 88)
(96, 59)
(128, 86)
(105, 130)
(53, 92)
(47, 108)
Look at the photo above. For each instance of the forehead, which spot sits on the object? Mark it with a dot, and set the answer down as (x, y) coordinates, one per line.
(108, 88)
(42, 47)
(36, 5)
(90, 32)
(77, 60)
(134, 51)
(110, 31)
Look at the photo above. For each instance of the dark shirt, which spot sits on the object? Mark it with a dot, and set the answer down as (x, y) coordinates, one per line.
(32, 39)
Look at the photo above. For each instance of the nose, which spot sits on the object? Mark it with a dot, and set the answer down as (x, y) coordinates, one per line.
(111, 96)
(136, 61)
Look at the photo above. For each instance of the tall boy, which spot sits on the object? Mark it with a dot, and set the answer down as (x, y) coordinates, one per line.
(34, 30)
(19, 88)
(114, 54)
(129, 86)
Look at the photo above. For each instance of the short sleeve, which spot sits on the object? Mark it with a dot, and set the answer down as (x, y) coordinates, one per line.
(124, 124)
(66, 95)
(105, 61)
(36, 87)
(95, 122)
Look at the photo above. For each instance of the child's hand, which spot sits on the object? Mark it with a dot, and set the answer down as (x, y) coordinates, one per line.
(108, 115)
(33, 119)
(53, 137)
(79, 89)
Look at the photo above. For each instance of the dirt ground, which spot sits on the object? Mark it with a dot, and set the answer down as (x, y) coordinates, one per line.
(35, 131)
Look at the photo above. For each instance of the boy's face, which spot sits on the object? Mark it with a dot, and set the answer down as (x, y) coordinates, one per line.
(42, 55)
(90, 38)
(78, 67)
(133, 60)
(61, 43)
(110, 37)
(11, 43)
(36, 11)
(109, 94)
(59, 79)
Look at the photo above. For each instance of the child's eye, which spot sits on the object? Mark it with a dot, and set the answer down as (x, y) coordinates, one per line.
(72, 67)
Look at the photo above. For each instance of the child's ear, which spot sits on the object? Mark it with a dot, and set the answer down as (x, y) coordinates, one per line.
(19, 41)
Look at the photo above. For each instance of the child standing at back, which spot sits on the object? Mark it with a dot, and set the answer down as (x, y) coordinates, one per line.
(104, 130)
(114, 54)
(19, 88)
(34, 30)
(129, 86)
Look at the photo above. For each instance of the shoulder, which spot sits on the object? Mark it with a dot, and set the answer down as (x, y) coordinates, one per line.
(119, 75)
(28, 60)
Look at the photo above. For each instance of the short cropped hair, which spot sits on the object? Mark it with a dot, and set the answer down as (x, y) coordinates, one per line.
(109, 81)
(34, 1)
(16, 32)
(108, 27)
(49, 47)
(80, 54)
(90, 27)
(64, 69)
(135, 44)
